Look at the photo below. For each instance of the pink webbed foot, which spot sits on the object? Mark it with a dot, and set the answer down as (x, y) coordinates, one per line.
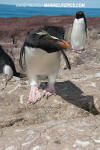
(34, 95)
(50, 90)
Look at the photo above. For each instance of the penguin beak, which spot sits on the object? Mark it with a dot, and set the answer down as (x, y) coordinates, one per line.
(64, 44)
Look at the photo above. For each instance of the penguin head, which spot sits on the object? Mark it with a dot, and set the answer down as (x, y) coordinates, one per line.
(49, 42)
(80, 14)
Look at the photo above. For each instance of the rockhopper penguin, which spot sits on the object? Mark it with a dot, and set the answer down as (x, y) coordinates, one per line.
(6, 64)
(41, 53)
(79, 32)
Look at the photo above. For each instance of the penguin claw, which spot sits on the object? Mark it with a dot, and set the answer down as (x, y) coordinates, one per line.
(32, 103)
(48, 93)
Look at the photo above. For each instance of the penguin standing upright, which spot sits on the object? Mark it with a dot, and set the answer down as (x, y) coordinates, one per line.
(41, 51)
(79, 32)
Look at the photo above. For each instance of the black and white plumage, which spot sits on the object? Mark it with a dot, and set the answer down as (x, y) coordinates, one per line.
(42, 49)
(6, 64)
(79, 32)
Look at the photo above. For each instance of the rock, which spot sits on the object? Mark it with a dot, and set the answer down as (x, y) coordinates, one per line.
(21, 26)
(80, 133)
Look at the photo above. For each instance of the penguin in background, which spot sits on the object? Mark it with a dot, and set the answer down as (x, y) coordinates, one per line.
(79, 32)
(6, 64)
(41, 53)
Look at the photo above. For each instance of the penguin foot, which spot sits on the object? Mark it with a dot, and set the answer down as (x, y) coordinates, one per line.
(50, 90)
(34, 95)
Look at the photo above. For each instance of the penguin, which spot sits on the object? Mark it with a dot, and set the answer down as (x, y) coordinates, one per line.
(79, 32)
(41, 53)
(6, 64)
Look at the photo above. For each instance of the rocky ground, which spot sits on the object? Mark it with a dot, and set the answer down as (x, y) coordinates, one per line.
(68, 121)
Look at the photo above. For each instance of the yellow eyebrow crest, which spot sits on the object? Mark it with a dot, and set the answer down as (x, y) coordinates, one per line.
(54, 37)
(42, 33)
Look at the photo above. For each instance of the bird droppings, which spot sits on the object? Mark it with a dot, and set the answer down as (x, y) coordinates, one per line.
(77, 129)
(80, 130)
(81, 143)
(14, 89)
(57, 101)
(48, 137)
(30, 132)
(27, 143)
(19, 130)
(21, 99)
(97, 75)
(97, 141)
(93, 84)
(36, 148)
(11, 148)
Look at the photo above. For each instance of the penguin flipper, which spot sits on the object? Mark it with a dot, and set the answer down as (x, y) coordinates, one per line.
(66, 59)
(22, 53)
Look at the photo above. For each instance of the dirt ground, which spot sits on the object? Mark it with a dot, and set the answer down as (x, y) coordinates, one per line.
(68, 121)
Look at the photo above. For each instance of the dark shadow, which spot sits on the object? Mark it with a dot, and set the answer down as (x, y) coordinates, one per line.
(72, 94)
